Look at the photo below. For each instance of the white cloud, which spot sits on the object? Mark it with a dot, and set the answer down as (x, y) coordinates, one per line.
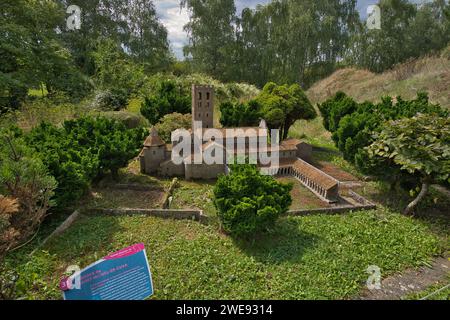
(174, 19)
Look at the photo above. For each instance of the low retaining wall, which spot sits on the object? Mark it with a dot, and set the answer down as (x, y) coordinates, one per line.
(181, 214)
(333, 210)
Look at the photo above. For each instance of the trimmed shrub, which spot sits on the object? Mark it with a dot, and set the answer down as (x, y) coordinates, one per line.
(248, 202)
(84, 150)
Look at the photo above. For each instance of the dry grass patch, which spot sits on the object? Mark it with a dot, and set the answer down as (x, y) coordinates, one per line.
(431, 74)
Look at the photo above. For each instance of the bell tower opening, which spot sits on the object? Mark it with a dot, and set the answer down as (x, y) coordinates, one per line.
(203, 105)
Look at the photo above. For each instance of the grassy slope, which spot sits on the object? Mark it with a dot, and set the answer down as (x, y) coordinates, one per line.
(431, 74)
(317, 257)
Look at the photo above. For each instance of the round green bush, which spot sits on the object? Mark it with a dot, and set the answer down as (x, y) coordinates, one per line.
(248, 202)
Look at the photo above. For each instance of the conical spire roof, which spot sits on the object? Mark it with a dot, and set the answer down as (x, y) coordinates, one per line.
(153, 140)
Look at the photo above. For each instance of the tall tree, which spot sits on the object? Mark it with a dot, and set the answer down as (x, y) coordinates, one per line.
(132, 25)
(148, 43)
(407, 31)
(293, 41)
(211, 35)
(31, 53)
(420, 146)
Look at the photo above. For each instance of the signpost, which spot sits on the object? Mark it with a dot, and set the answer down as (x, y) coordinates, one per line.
(123, 275)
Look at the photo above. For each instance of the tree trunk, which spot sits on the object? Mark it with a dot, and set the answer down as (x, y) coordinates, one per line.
(410, 208)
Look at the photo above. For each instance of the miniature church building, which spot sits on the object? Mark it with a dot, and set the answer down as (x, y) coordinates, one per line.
(156, 156)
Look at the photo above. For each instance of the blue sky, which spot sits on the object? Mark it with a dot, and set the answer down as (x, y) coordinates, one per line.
(174, 19)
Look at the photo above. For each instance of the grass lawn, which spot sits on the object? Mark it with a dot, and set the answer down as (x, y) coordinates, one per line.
(315, 257)
(194, 195)
(302, 198)
(111, 198)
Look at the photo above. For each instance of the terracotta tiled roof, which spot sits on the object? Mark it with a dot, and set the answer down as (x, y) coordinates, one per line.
(291, 142)
(255, 132)
(210, 144)
(153, 140)
(314, 174)
(283, 163)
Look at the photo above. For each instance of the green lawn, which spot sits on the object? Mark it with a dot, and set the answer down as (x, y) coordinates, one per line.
(194, 195)
(302, 198)
(315, 257)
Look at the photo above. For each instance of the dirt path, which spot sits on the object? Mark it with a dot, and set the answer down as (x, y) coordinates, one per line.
(410, 281)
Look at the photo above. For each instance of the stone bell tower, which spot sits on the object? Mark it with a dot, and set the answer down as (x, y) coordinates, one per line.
(203, 105)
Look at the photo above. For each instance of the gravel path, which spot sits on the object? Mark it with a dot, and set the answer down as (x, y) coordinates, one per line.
(410, 281)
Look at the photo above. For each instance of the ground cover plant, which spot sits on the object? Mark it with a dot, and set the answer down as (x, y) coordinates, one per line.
(316, 257)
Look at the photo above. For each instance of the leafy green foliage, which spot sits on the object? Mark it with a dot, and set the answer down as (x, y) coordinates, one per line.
(248, 202)
(171, 122)
(25, 180)
(211, 34)
(419, 145)
(169, 98)
(352, 124)
(132, 24)
(407, 32)
(32, 55)
(116, 74)
(223, 91)
(264, 44)
(280, 105)
(84, 150)
(239, 114)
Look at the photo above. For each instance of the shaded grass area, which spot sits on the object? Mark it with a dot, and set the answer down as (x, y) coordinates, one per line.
(132, 175)
(116, 199)
(315, 257)
(302, 198)
(194, 195)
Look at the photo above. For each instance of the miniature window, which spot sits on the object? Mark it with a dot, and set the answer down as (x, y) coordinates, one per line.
(207, 96)
(200, 96)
